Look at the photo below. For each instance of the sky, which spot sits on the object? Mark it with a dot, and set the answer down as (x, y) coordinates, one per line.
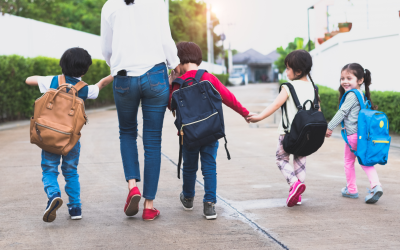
(262, 25)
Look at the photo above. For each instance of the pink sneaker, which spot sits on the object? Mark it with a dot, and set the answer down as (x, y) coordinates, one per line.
(295, 191)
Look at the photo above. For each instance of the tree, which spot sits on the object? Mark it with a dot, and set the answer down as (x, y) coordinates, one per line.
(295, 45)
(188, 22)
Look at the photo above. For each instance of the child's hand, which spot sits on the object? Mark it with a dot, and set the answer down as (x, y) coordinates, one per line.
(105, 81)
(253, 118)
(328, 133)
(172, 77)
(248, 116)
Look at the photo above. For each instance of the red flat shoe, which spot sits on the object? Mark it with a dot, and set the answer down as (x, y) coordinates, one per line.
(150, 214)
(132, 202)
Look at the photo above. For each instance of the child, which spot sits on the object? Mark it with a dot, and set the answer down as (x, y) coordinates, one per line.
(298, 66)
(352, 77)
(74, 63)
(190, 56)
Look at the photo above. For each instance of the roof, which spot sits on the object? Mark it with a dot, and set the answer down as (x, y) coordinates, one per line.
(254, 57)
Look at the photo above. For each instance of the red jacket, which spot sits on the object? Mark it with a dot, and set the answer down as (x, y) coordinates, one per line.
(227, 97)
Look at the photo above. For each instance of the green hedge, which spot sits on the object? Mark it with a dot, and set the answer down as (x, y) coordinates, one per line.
(387, 101)
(17, 98)
(223, 78)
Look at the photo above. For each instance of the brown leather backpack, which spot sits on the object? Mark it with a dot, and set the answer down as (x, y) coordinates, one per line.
(58, 118)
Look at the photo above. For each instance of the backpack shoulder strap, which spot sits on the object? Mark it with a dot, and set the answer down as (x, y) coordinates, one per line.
(359, 97)
(61, 80)
(80, 85)
(293, 93)
(178, 81)
(199, 74)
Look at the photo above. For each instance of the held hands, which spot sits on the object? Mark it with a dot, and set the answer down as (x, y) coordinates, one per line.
(253, 117)
(328, 133)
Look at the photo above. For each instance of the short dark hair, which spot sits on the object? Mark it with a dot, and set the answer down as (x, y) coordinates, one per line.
(129, 1)
(189, 52)
(75, 62)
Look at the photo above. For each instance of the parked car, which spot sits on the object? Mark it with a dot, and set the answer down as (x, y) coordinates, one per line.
(236, 79)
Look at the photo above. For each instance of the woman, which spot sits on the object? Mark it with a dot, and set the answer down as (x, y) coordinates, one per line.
(136, 42)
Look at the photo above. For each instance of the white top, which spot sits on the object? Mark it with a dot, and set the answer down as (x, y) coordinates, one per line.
(44, 83)
(136, 37)
(304, 91)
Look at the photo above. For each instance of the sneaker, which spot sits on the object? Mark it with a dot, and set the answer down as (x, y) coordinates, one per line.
(209, 211)
(299, 201)
(374, 195)
(53, 204)
(75, 213)
(295, 191)
(347, 194)
(132, 202)
(187, 203)
(150, 214)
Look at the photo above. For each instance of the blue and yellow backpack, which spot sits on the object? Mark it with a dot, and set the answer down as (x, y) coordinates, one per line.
(373, 140)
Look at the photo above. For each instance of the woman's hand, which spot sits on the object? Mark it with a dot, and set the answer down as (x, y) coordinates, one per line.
(328, 133)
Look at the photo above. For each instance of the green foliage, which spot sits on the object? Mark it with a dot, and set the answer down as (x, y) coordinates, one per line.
(188, 22)
(387, 101)
(223, 78)
(17, 98)
(295, 45)
(312, 45)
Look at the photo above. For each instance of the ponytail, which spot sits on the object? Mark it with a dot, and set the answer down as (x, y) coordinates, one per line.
(129, 1)
(315, 89)
(367, 82)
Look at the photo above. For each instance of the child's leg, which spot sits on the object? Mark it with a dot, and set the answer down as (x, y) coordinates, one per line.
(282, 160)
(349, 159)
(299, 163)
(208, 158)
(50, 173)
(69, 169)
(372, 176)
(189, 170)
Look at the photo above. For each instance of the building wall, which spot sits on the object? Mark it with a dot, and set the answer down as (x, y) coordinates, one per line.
(376, 50)
(320, 9)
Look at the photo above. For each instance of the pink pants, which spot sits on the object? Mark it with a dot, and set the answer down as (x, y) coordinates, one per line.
(350, 171)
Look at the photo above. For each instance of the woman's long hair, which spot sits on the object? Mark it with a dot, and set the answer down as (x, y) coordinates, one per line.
(129, 1)
(358, 71)
(300, 60)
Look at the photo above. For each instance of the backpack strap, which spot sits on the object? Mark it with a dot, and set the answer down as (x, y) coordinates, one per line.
(200, 74)
(284, 107)
(362, 105)
(80, 85)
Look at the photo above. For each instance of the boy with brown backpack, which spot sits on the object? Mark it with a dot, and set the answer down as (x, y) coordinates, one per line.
(55, 127)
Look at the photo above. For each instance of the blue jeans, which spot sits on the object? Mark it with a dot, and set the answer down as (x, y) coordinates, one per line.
(69, 168)
(208, 157)
(152, 90)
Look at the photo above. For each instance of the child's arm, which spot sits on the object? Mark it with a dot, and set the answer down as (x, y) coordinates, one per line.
(278, 102)
(105, 81)
(32, 80)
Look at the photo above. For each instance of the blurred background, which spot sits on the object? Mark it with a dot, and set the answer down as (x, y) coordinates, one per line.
(243, 42)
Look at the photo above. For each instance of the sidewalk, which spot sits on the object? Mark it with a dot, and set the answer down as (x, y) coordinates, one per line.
(251, 205)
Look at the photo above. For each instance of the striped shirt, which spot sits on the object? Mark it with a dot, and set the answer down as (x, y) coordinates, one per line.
(348, 113)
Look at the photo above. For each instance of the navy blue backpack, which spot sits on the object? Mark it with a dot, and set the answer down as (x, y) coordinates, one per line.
(199, 116)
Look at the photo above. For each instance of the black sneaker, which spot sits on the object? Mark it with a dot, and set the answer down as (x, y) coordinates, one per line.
(209, 211)
(187, 203)
(53, 204)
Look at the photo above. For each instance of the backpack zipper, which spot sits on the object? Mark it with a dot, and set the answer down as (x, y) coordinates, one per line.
(374, 141)
(44, 126)
(187, 124)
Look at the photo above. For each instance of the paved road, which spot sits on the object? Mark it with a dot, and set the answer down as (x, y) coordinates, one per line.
(251, 189)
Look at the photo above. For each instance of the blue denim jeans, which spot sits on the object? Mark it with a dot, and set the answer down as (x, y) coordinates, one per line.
(208, 157)
(152, 90)
(69, 168)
